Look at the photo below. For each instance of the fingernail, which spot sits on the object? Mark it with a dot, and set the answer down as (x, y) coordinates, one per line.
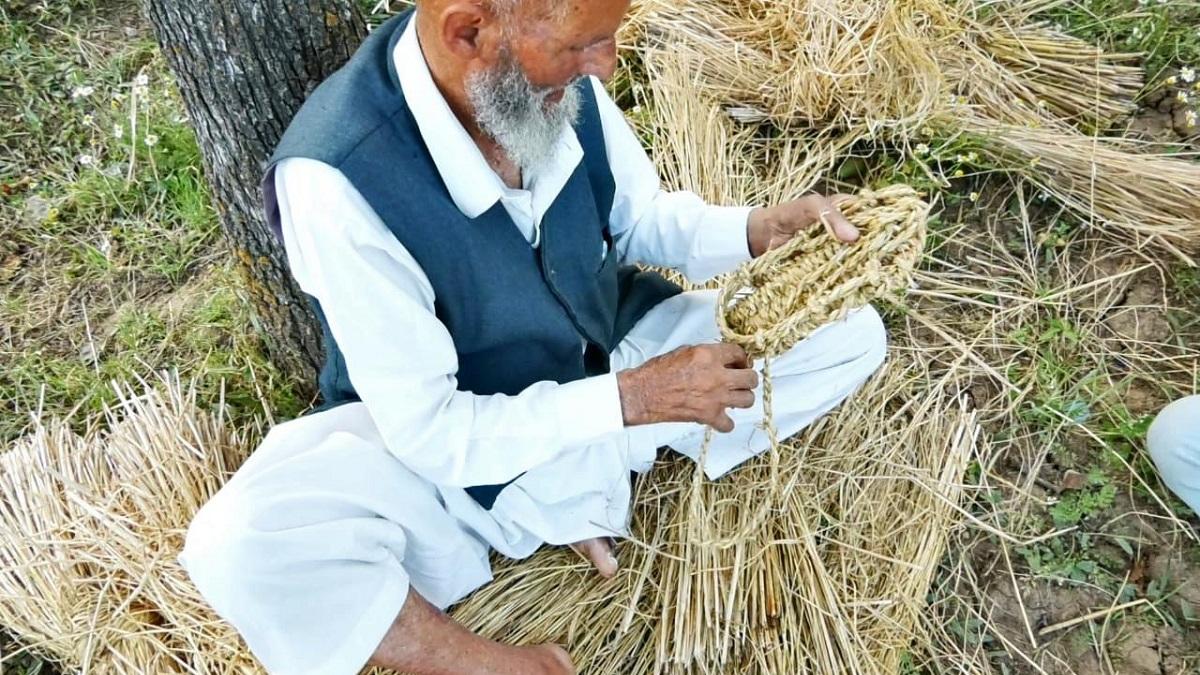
(613, 559)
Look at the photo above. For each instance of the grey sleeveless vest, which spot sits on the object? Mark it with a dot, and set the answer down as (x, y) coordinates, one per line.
(517, 315)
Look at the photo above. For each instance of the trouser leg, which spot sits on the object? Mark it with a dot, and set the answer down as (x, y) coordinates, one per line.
(310, 549)
(1174, 444)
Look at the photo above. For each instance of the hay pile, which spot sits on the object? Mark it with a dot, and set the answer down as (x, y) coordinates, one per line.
(90, 525)
(751, 102)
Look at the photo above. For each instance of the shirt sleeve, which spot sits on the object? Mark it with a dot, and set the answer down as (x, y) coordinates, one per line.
(401, 359)
(678, 230)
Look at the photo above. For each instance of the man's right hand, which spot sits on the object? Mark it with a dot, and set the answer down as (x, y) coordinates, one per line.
(690, 384)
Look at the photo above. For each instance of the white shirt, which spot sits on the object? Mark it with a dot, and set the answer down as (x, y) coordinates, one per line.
(380, 305)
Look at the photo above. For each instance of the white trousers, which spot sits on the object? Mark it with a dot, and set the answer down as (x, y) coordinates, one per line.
(311, 547)
(1174, 444)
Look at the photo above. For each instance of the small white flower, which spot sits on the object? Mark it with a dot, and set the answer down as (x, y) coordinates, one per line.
(151, 140)
(142, 80)
(105, 246)
(89, 119)
(1187, 74)
(922, 149)
(118, 131)
(1181, 96)
(974, 196)
(83, 91)
(86, 160)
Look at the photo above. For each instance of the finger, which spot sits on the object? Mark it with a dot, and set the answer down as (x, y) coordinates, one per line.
(741, 398)
(723, 424)
(836, 224)
(743, 379)
(733, 356)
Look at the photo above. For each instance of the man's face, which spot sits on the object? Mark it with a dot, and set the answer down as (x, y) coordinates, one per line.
(529, 93)
(553, 51)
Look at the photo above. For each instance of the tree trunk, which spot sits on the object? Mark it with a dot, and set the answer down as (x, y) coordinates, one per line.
(244, 67)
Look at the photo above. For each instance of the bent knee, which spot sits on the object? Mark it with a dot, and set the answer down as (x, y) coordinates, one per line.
(868, 330)
(219, 548)
(1174, 437)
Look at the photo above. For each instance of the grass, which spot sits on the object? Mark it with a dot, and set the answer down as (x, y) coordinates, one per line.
(112, 266)
(1165, 31)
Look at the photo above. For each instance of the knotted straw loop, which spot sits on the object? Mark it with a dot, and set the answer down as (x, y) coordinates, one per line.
(779, 298)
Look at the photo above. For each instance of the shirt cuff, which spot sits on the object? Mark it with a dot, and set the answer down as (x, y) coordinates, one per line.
(589, 409)
(721, 242)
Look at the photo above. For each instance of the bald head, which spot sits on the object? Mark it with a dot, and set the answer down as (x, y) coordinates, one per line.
(552, 10)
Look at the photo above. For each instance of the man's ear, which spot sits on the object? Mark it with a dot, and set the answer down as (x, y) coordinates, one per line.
(468, 29)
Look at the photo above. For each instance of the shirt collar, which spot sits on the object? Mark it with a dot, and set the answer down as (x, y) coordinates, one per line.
(471, 182)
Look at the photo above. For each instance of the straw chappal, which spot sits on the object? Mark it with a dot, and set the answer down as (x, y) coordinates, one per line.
(779, 298)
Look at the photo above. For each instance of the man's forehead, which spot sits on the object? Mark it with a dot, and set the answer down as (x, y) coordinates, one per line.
(581, 21)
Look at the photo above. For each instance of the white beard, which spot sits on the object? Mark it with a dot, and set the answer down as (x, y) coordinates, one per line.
(510, 109)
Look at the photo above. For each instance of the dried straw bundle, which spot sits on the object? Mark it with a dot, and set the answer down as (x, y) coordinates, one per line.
(801, 83)
(89, 529)
(1115, 183)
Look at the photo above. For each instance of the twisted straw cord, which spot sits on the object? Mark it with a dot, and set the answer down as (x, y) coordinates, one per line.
(778, 299)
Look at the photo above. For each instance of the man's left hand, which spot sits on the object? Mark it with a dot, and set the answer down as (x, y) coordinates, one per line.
(773, 226)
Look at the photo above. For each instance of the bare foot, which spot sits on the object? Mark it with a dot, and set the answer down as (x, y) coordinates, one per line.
(599, 552)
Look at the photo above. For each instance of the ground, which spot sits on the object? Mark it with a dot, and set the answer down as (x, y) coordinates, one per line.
(112, 266)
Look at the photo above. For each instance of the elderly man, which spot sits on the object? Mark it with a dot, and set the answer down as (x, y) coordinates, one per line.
(462, 201)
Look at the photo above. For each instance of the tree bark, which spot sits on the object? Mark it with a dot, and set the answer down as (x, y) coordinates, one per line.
(244, 67)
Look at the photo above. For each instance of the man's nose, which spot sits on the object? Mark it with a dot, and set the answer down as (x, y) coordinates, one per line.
(600, 62)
